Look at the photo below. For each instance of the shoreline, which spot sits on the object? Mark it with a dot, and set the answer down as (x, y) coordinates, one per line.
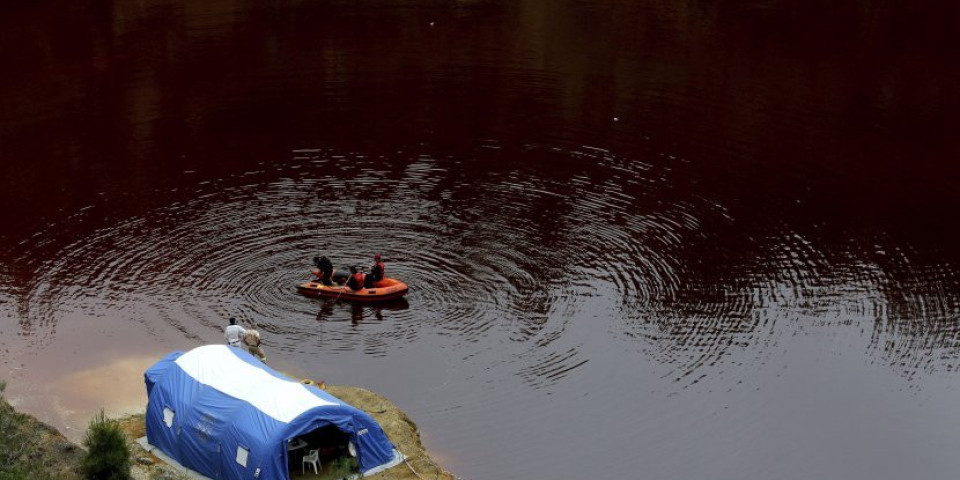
(49, 443)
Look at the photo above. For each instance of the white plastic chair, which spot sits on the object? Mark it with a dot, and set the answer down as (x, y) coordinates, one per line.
(313, 458)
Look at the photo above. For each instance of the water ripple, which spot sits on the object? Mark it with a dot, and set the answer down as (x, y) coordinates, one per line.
(532, 276)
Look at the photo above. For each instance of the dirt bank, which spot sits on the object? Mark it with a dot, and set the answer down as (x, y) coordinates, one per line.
(27, 442)
(401, 431)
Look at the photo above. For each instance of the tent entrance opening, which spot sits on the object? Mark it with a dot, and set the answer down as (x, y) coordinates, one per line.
(333, 449)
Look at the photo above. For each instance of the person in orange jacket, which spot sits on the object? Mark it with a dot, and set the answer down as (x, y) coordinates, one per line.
(356, 279)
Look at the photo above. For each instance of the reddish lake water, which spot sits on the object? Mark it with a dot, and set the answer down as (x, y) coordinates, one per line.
(665, 240)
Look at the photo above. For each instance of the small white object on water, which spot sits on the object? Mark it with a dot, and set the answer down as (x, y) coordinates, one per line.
(431, 24)
(616, 119)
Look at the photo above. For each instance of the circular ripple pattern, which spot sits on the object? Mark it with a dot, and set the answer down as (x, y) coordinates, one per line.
(513, 246)
(546, 273)
(236, 247)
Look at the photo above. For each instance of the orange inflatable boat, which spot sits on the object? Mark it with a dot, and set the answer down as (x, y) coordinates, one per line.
(386, 289)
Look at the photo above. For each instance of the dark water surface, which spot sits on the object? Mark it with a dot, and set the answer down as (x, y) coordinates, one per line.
(664, 240)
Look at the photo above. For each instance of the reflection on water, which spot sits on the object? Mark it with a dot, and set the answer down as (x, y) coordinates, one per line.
(359, 311)
(721, 231)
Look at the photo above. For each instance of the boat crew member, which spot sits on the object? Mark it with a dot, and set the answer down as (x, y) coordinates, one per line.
(326, 269)
(377, 269)
(234, 333)
(356, 279)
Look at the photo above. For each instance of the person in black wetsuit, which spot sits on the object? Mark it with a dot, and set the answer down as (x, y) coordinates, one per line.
(326, 269)
(377, 270)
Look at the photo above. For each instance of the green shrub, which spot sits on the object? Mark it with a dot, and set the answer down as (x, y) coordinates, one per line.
(108, 455)
(340, 468)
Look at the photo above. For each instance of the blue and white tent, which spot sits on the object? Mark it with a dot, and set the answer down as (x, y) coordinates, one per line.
(222, 413)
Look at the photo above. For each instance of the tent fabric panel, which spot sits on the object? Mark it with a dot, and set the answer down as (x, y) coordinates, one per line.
(160, 435)
(259, 434)
(162, 394)
(221, 368)
(263, 454)
(373, 448)
(216, 424)
(204, 430)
